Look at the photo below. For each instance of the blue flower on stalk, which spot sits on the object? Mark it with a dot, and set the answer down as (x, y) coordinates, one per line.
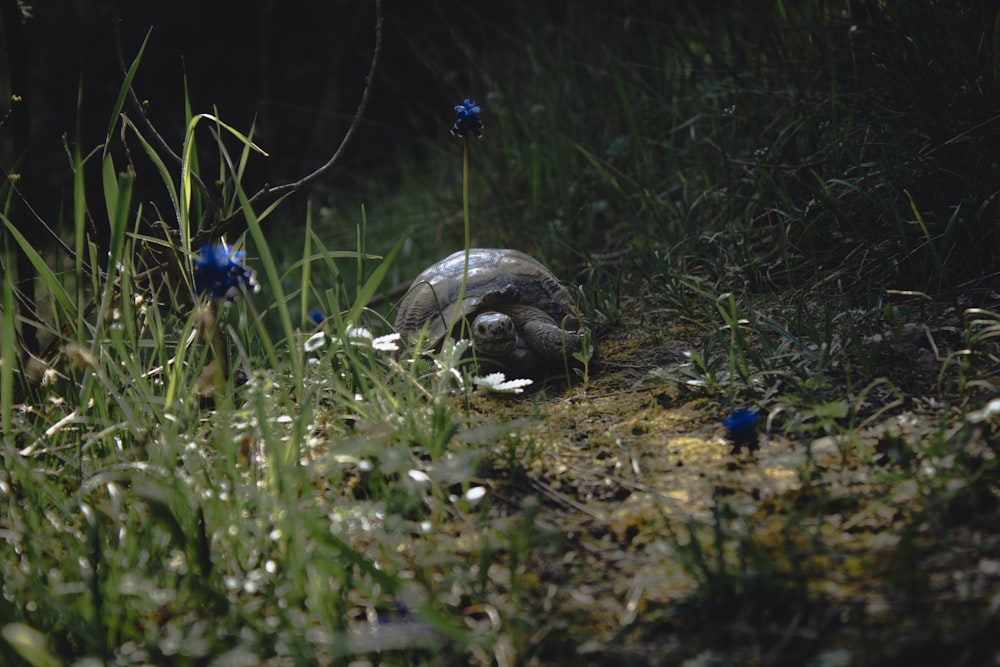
(741, 430)
(467, 124)
(219, 272)
(317, 316)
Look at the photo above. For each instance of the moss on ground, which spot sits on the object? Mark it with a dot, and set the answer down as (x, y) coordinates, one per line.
(656, 543)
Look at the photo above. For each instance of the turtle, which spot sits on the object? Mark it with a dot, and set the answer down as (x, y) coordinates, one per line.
(518, 315)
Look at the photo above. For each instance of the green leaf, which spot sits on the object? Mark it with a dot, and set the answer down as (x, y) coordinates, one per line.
(46, 275)
(124, 91)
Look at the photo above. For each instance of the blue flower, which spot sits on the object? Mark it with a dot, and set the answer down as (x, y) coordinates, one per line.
(741, 429)
(317, 316)
(468, 109)
(219, 272)
(467, 124)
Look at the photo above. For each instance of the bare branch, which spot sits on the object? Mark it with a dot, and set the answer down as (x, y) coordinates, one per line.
(267, 194)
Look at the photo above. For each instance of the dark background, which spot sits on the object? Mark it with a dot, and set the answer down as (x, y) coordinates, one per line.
(293, 69)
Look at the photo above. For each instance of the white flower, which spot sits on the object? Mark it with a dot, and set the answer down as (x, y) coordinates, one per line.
(358, 334)
(498, 382)
(362, 337)
(386, 343)
(419, 476)
(314, 342)
(475, 494)
(988, 411)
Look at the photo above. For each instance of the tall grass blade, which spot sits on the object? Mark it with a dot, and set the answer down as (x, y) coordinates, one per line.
(45, 273)
(123, 92)
(8, 348)
(187, 166)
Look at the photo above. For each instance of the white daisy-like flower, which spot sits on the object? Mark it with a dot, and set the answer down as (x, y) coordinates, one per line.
(363, 337)
(419, 476)
(498, 382)
(475, 494)
(987, 412)
(386, 343)
(359, 334)
(314, 342)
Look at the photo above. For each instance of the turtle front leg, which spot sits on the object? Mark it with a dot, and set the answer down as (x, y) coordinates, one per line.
(550, 341)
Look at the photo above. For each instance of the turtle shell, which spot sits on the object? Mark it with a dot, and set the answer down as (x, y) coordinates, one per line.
(497, 277)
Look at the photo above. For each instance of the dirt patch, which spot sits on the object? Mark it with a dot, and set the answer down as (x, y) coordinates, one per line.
(638, 486)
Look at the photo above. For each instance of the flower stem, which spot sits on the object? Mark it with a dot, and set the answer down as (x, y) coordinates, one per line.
(468, 232)
(465, 194)
(465, 211)
(212, 382)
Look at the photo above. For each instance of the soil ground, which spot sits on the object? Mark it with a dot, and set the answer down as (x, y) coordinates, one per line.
(660, 543)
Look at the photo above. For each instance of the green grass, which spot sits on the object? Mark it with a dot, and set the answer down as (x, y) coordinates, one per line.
(785, 189)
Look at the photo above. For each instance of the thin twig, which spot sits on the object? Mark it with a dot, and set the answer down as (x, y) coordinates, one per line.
(267, 194)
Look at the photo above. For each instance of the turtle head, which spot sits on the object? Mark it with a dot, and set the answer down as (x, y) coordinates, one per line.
(494, 334)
